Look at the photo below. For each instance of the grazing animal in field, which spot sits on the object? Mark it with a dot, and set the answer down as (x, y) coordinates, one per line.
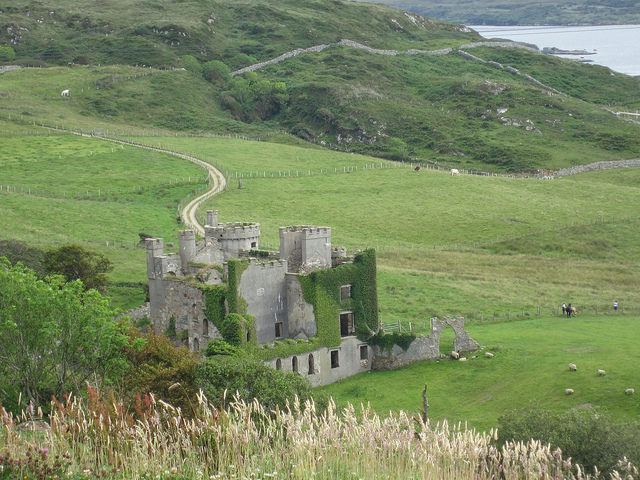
(455, 355)
(601, 372)
(463, 359)
(417, 169)
(568, 391)
(455, 171)
(488, 355)
(573, 311)
(65, 92)
(573, 367)
(629, 391)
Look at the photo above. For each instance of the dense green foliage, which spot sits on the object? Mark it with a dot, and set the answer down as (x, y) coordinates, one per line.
(54, 337)
(157, 366)
(16, 251)
(74, 262)
(221, 376)
(590, 437)
(321, 289)
(513, 12)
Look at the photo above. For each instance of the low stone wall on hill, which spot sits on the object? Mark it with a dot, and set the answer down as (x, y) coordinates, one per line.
(635, 162)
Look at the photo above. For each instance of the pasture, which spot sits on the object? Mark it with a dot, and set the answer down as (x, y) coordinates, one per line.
(530, 368)
(484, 247)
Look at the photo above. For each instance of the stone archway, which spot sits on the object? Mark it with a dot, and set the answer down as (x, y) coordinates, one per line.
(462, 341)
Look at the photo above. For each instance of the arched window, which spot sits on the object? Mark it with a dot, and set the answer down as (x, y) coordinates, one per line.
(312, 369)
(278, 364)
(205, 327)
(196, 344)
(294, 364)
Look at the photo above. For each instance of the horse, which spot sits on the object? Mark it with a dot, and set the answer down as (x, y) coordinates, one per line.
(573, 311)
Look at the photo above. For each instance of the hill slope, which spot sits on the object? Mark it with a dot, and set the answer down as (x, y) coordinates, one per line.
(403, 86)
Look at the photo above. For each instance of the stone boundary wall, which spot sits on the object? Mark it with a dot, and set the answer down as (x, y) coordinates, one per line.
(351, 43)
(605, 165)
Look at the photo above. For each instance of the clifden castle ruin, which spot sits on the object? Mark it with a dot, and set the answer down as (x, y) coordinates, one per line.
(308, 308)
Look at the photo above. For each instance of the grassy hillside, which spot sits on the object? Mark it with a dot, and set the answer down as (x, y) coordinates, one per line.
(160, 33)
(436, 108)
(510, 12)
(529, 369)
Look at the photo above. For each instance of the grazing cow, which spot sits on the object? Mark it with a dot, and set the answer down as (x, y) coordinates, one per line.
(455, 171)
(417, 169)
(65, 92)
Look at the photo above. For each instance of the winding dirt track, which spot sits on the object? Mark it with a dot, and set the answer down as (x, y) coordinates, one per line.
(188, 213)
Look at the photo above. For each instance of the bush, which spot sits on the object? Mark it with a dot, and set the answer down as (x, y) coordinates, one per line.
(160, 368)
(588, 436)
(251, 379)
(7, 54)
(220, 347)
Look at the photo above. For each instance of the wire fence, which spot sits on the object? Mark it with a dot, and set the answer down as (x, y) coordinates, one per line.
(101, 193)
(423, 326)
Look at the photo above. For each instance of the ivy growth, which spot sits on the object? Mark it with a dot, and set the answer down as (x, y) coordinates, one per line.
(321, 289)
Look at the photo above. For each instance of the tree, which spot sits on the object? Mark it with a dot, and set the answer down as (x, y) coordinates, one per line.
(162, 369)
(76, 263)
(17, 251)
(54, 337)
(216, 72)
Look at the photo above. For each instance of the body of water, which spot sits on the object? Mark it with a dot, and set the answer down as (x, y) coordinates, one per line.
(614, 46)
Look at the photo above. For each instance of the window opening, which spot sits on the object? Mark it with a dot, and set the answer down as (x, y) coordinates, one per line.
(345, 292)
(294, 364)
(364, 352)
(347, 326)
(312, 369)
(205, 327)
(278, 364)
(278, 329)
(335, 361)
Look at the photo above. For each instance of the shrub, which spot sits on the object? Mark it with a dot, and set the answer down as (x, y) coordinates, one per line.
(588, 436)
(220, 347)
(7, 54)
(160, 368)
(251, 379)
(76, 263)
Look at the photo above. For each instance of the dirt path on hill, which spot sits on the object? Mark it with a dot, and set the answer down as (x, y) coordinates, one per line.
(188, 213)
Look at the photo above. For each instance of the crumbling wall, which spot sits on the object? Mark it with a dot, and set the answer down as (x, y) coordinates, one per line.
(425, 347)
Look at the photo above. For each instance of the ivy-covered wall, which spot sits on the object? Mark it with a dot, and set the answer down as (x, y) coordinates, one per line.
(321, 289)
(235, 268)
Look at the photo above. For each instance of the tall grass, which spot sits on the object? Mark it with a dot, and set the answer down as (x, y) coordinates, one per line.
(100, 438)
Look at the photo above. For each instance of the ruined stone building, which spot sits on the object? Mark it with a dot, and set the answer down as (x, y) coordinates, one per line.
(308, 308)
(301, 308)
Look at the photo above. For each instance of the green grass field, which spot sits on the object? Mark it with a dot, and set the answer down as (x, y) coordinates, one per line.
(488, 248)
(530, 368)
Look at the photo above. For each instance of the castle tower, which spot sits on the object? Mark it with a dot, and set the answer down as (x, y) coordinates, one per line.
(155, 248)
(234, 237)
(187, 241)
(305, 247)
(212, 218)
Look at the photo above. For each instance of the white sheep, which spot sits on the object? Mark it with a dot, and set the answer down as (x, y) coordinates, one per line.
(573, 367)
(455, 355)
(488, 355)
(455, 171)
(601, 372)
(463, 359)
(629, 391)
(65, 92)
(568, 391)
